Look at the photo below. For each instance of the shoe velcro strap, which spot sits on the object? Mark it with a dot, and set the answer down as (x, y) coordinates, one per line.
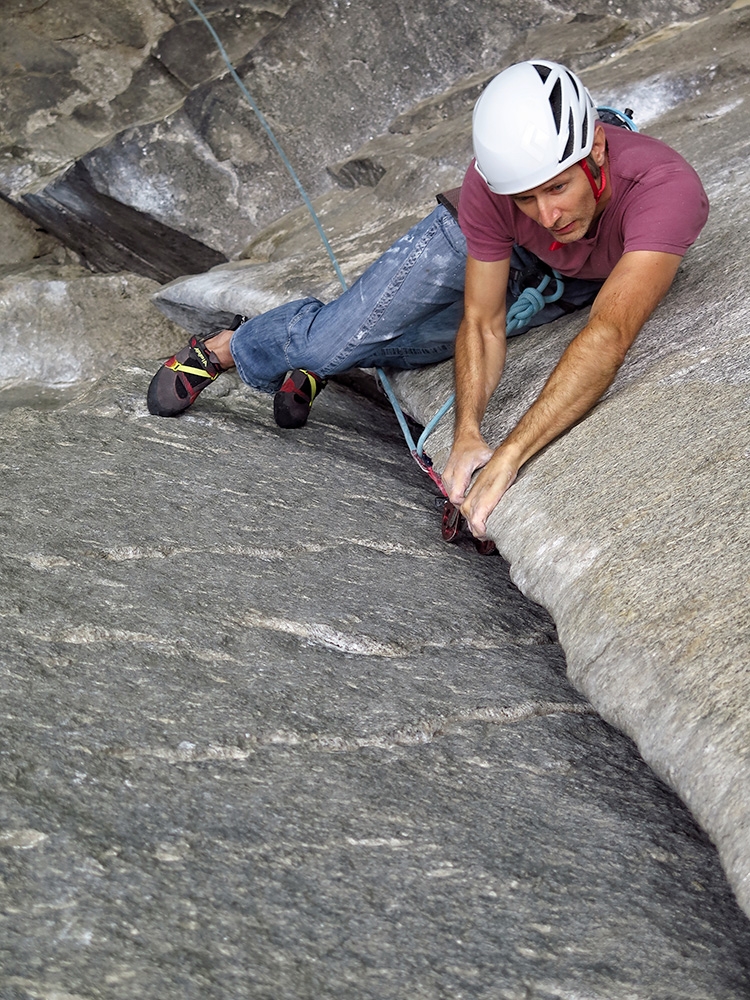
(175, 365)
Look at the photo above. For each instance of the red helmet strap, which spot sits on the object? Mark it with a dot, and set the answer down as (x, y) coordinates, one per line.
(598, 189)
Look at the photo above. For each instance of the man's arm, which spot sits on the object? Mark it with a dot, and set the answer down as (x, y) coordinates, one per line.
(585, 371)
(479, 361)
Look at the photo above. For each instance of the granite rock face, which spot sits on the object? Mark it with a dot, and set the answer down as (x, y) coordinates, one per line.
(45, 308)
(63, 326)
(264, 734)
(633, 528)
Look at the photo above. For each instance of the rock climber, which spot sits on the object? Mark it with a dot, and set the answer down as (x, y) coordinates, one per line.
(550, 186)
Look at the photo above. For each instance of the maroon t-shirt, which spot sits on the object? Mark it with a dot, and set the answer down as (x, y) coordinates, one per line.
(657, 203)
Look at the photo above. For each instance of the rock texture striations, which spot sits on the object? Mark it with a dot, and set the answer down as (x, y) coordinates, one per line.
(266, 735)
(633, 529)
(623, 549)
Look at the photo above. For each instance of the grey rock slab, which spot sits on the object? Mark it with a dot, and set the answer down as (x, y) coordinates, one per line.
(240, 26)
(265, 735)
(690, 73)
(71, 74)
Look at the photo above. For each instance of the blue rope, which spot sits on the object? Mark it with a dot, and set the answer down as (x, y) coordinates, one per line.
(625, 118)
(274, 140)
(528, 303)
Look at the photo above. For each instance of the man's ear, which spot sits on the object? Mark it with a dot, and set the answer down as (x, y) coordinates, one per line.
(599, 149)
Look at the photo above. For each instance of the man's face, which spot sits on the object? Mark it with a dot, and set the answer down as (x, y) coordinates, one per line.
(565, 206)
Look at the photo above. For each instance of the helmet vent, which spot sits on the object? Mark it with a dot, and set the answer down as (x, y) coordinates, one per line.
(575, 84)
(543, 71)
(555, 101)
(570, 144)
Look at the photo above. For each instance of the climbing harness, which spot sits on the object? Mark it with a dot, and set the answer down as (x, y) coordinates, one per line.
(530, 302)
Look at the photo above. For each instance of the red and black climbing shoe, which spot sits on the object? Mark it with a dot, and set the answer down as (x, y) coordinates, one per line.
(291, 404)
(181, 379)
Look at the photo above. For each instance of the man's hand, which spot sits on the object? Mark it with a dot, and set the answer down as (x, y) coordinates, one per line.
(466, 457)
(490, 485)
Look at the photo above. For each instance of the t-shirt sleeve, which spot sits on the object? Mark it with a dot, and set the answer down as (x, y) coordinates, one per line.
(667, 214)
(485, 225)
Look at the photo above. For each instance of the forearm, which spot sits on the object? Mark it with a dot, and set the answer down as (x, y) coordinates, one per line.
(479, 362)
(584, 373)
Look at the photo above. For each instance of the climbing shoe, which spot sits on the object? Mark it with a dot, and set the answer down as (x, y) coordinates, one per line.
(291, 404)
(181, 379)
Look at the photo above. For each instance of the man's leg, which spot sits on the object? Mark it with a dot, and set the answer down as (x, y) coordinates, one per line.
(417, 279)
(403, 312)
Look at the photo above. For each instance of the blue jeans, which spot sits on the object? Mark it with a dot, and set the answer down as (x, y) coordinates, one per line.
(403, 312)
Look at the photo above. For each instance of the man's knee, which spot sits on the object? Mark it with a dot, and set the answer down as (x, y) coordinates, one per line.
(269, 345)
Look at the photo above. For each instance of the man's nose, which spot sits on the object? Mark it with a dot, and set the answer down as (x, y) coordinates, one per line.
(549, 213)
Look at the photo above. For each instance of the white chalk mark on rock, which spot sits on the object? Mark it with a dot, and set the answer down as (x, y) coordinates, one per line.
(22, 840)
(323, 635)
(421, 733)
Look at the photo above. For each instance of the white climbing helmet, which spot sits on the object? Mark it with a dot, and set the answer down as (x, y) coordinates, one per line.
(532, 121)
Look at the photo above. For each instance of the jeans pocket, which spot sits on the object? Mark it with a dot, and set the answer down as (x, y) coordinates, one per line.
(452, 232)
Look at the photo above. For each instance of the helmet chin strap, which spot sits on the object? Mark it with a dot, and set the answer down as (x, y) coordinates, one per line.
(598, 189)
